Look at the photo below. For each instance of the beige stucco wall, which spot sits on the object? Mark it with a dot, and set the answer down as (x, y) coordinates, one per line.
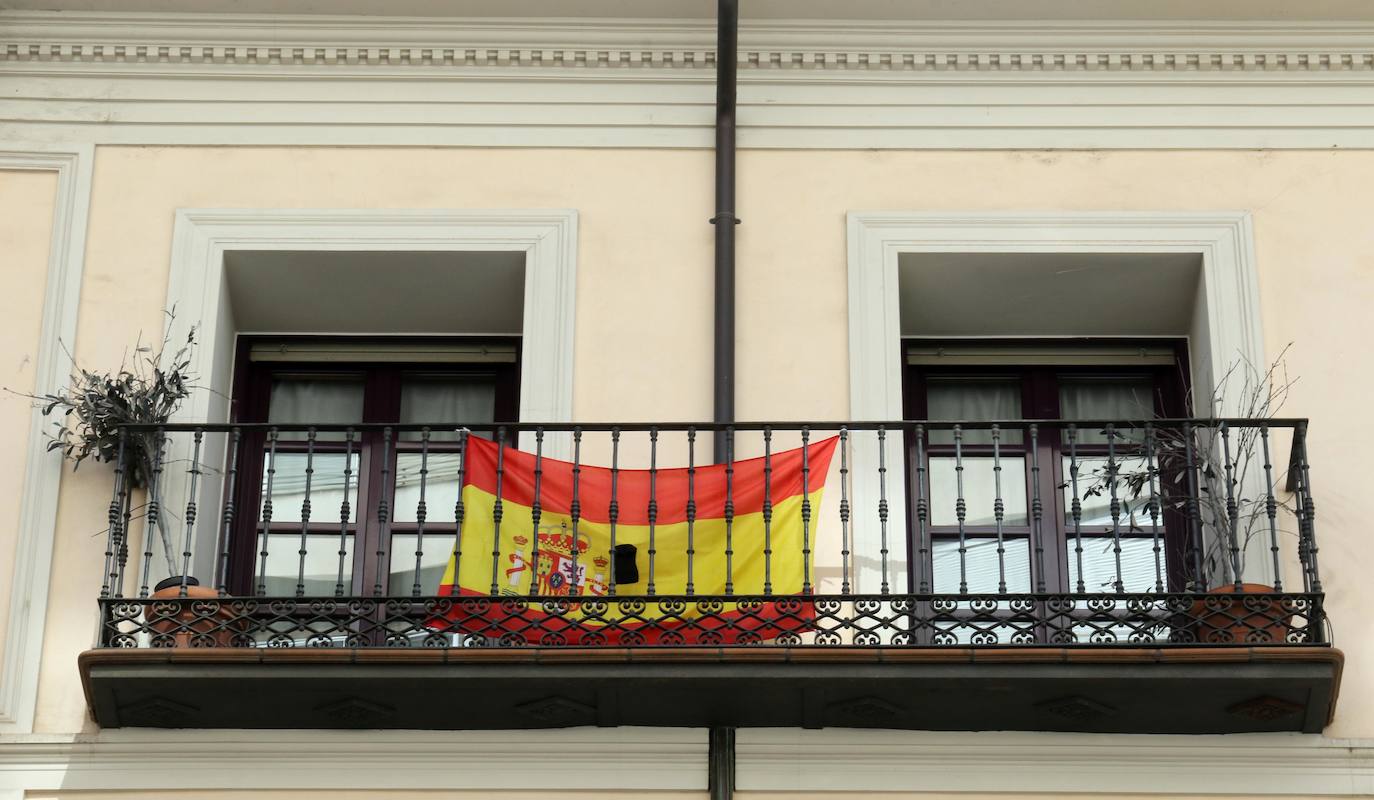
(643, 339)
(182, 794)
(608, 795)
(998, 796)
(26, 210)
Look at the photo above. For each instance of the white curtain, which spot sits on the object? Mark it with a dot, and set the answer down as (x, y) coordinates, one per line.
(1125, 399)
(316, 401)
(455, 401)
(973, 399)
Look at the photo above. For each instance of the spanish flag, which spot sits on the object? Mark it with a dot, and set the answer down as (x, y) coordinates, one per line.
(775, 503)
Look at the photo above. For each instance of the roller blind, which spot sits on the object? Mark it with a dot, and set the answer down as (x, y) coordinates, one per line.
(1053, 355)
(384, 353)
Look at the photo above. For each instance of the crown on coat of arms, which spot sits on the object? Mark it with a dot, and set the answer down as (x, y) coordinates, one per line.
(560, 540)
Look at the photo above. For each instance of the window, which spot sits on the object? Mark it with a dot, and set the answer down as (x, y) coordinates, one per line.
(1018, 381)
(314, 382)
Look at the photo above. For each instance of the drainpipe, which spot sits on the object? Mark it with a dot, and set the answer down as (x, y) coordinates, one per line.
(727, 48)
(721, 777)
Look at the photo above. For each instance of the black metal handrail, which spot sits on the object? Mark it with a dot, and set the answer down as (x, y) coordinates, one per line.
(959, 532)
(757, 426)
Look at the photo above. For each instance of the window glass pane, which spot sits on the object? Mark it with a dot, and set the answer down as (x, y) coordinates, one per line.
(979, 491)
(450, 400)
(973, 399)
(441, 487)
(321, 564)
(1126, 399)
(1099, 564)
(438, 549)
(980, 565)
(316, 400)
(326, 487)
(1095, 482)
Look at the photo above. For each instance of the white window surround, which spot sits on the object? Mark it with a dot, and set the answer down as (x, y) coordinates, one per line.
(23, 643)
(198, 293)
(197, 289)
(1226, 326)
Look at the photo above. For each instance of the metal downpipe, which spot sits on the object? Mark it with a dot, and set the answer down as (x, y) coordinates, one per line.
(721, 777)
(727, 48)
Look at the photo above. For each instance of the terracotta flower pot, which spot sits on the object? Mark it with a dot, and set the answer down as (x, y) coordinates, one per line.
(189, 626)
(1241, 620)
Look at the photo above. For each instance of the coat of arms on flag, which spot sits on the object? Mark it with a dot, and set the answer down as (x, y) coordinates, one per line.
(641, 534)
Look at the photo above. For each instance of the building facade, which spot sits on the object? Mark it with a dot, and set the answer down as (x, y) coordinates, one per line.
(1061, 304)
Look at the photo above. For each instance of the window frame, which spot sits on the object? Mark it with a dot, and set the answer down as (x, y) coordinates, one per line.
(1040, 400)
(249, 404)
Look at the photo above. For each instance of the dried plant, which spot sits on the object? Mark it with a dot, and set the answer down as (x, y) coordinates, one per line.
(146, 389)
(1226, 471)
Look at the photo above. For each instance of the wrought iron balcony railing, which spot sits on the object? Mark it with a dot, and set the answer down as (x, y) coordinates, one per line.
(911, 534)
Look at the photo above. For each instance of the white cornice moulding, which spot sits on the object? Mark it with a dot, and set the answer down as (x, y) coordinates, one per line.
(644, 759)
(23, 644)
(848, 761)
(265, 80)
(154, 41)
(547, 238)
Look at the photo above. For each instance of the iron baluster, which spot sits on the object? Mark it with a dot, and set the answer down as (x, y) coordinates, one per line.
(122, 554)
(882, 504)
(691, 509)
(305, 511)
(227, 515)
(806, 510)
(613, 510)
(195, 472)
(922, 514)
(497, 510)
(1152, 471)
(1232, 508)
(1271, 508)
(960, 509)
(272, 436)
(1199, 581)
(767, 511)
(575, 509)
(844, 511)
(152, 518)
(1309, 516)
(459, 511)
(1037, 510)
(1115, 506)
(1076, 507)
(345, 512)
(421, 511)
(536, 509)
(116, 517)
(729, 510)
(383, 513)
(653, 504)
(998, 509)
(1304, 560)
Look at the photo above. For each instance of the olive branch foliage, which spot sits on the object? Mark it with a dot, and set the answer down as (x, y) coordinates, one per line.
(146, 388)
(1230, 483)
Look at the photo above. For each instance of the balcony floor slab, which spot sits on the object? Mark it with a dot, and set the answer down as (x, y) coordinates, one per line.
(1102, 689)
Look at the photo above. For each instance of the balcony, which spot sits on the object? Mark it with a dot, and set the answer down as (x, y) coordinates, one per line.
(1088, 575)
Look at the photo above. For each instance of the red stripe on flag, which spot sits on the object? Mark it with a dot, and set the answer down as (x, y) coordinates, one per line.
(632, 486)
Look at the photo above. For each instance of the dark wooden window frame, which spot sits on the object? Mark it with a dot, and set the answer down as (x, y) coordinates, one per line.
(250, 399)
(1040, 400)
